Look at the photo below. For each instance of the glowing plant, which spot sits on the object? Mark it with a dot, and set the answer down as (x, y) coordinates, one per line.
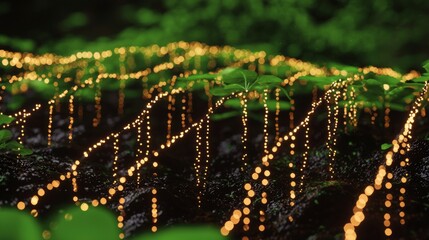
(230, 82)
(6, 144)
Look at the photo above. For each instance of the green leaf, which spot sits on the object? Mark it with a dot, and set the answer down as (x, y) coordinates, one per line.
(18, 225)
(399, 92)
(95, 223)
(398, 107)
(13, 146)
(412, 85)
(234, 87)
(268, 79)
(283, 105)
(385, 146)
(391, 81)
(206, 76)
(86, 94)
(258, 88)
(45, 90)
(349, 69)
(261, 88)
(220, 91)
(228, 70)
(225, 115)
(374, 88)
(147, 17)
(319, 81)
(235, 103)
(372, 82)
(74, 20)
(25, 151)
(198, 85)
(285, 93)
(5, 135)
(426, 66)
(421, 79)
(109, 84)
(239, 76)
(400, 95)
(16, 102)
(4, 119)
(366, 102)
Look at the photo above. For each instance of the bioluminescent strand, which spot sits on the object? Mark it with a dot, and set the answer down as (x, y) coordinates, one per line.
(400, 146)
(196, 52)
(244, 119)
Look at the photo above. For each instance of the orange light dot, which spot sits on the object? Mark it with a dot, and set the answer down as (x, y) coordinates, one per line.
(255, 176)
(112, 191)
(122, 180)
(95, 202)
(237, 214)
(251, 193)
(55, 183)
(34, 200)
(229, 225)
(369, 190)
(224, 231)
(246, 211)
(388, 232)
(21, 205)
(84, 207)
(388, 203)
(41, 192)
(264, 182)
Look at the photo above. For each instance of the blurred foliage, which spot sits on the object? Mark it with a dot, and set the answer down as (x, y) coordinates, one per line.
(355, 32)
(15, 225)
(94, 223)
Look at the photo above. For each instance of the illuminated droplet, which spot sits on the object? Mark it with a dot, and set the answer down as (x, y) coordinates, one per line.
(21, 205)
(84, 207)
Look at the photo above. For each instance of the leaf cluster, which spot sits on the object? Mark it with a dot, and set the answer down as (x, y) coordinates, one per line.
(6, 142)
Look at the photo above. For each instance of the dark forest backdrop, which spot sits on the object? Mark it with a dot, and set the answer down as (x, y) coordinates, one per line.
(355, 32)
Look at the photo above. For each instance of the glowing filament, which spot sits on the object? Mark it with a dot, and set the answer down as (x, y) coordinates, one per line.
(71, 119)
(97, 99)
(277, 113)
(51, 111)
(244, 118)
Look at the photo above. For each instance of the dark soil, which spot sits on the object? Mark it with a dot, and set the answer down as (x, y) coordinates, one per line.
(320, 212)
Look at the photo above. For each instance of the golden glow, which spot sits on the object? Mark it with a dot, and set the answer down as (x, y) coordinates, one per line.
(147, 153)
(401, 146)
(34, 200)
(20, 205)
(84, 207)
(244, 119)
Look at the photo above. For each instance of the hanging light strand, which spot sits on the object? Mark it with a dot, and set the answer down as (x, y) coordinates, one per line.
(399, 147)
(244, 119)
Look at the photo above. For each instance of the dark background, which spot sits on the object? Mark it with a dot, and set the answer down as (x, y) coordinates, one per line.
(356, 32)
